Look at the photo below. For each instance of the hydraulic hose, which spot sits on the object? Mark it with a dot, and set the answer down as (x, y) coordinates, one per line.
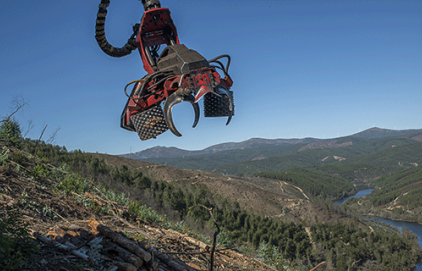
(101, 38)
(226, 70)
(150, 4)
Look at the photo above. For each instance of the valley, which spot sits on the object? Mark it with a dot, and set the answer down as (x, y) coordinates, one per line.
(277, 209)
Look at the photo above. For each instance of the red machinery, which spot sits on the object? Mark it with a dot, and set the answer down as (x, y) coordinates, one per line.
(176, 74)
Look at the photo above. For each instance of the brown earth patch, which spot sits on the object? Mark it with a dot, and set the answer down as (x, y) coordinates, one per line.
(417, 138)
(325, 145)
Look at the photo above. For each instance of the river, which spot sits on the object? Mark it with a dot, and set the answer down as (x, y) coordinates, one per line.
(357, 195)
(416, 228)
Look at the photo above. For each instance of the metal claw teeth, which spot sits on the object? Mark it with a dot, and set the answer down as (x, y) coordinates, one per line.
(203, 90)
(191, 100)
(171, 101)
(227, 95)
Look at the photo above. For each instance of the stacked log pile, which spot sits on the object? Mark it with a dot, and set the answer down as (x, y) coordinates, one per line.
(112, 247)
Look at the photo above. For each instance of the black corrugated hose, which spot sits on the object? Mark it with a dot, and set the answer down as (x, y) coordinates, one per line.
(101, 38)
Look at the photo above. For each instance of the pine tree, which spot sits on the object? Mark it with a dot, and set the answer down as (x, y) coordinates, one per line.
(10, 131)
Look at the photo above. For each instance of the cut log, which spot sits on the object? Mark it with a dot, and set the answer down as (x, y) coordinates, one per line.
(123, 266)
(198, 243)
(51, 242)
(126, 255)
(191, 240)
(164, 267)
(121, 240)
(60, 232)
(170, 261)
(62, 247)
(153, 266)
(52, 234)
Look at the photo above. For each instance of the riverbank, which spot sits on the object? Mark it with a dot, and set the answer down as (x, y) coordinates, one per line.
(396, 220)
(360, 206)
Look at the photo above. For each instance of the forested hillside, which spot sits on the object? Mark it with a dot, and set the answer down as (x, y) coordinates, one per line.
(182, 204)
(407, 184)
(315, 182)
(373, 152)
(210, 162)
(396, 196)
(337, 178)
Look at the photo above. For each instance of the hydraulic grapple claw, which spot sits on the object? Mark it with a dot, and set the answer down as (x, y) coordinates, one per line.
(171, 101)
(223, 106)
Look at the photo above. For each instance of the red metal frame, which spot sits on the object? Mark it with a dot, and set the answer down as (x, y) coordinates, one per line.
(156, 28)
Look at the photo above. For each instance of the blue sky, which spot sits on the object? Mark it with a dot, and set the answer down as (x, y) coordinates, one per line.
(300, 69)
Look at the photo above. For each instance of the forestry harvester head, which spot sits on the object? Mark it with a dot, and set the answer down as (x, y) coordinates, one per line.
(175, 74)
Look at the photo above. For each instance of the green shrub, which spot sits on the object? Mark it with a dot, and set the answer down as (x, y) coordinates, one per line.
(74, 183)
(270, 255)
(15, 245)
(19, 158)
(11, 132)
(40, 170)
(144, 212)
(17, 169)
(223, 239)
(4, 155)
(112, 195)
(58, 173)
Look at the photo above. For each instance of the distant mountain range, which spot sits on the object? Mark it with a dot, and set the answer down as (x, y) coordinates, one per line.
(173, 152)
(382, 133)
(313, 143)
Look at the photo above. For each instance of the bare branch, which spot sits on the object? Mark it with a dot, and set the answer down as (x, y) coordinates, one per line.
(214, 242)
(36, 145)
(30, 127)
(53, 136)
(45, 127)
(18, 103)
